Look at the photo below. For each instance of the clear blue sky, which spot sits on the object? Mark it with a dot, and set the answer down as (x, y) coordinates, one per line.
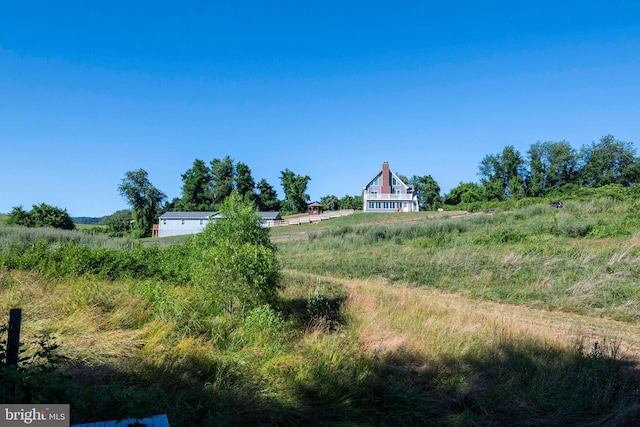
(330, 89)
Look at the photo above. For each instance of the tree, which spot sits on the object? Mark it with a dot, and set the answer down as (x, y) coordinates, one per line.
(551, 166)
(294, 186)
(468, 192)
(266, 199)
(18, 216)
(222, 176)
(491, 178)
(350, 202)
(536, 178)
(41, 215)
(145, 200)
(502, 175)
(427, 190)
(119, 223)
(609, 161)
(245, 185)
(235, 260)
(196, 188)
(329, 203)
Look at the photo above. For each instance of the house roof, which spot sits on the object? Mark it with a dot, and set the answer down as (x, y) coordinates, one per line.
(273, 215)
(394, 175)
(315, 204)
(189, 215)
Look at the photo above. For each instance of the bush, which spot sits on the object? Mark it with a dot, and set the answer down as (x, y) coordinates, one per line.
(234, 260)
(41, 215)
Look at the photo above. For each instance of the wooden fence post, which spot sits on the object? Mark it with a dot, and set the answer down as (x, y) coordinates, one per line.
(13, 337)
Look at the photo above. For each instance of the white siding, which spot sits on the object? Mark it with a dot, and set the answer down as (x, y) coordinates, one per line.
(178, 227)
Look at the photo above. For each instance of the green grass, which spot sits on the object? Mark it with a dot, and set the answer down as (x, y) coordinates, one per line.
(134, 348)
(350, 352)
(584, 258)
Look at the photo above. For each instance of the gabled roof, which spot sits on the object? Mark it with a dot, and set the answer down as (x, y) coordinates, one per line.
(189, 215)
(395, 176)
(271, 215)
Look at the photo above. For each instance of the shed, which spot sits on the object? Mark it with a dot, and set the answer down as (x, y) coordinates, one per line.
(181, 223)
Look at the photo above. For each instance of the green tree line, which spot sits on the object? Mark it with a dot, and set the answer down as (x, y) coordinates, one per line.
(550, 169)
(205, 187)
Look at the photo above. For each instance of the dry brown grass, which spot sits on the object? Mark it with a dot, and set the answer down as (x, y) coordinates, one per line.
(430, 323)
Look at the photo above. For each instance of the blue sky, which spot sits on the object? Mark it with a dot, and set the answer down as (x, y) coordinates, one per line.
(331, 89)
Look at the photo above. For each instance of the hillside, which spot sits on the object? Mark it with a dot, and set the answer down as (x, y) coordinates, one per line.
(526, 316)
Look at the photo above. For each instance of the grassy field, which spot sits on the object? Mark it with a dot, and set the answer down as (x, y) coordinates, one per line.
(584, 258)
(525, 317)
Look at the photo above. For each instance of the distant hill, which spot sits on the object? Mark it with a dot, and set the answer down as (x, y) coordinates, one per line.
(86, 219)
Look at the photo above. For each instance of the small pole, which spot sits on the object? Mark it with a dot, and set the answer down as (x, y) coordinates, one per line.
(13, 337)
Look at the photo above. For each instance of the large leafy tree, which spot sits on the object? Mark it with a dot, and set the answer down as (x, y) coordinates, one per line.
(609, 161)
(266, 199)
(491, 178)
(222, 177)
(350, 202)
(42, 215)
(427, 190)
(196, 188)
(329, 203)
(551, 166)
(465, 192)
(119, 223)
(245, 184)
(502, 175)
(294, 186)
(145, 200)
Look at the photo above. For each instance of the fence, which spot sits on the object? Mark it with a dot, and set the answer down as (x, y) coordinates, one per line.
(310, 219)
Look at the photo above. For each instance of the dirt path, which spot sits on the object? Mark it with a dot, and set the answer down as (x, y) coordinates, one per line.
(554, 326)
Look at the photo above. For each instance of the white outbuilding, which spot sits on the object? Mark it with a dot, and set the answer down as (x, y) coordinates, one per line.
(181, 223)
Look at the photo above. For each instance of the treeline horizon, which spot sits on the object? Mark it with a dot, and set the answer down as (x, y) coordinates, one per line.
(547, 169)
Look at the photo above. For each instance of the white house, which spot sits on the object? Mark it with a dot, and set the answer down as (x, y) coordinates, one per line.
(180, 223)
(387, 193)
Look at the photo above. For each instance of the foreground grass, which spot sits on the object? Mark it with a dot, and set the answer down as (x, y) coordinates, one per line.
(337, 352)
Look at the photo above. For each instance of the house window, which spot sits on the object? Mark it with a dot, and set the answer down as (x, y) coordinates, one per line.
(375, 182)
(378, 205)
(394, 181)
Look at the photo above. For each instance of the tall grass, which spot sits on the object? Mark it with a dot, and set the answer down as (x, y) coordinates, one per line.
(23, 237)
(583, 258)
(140, 337)
(397, 356)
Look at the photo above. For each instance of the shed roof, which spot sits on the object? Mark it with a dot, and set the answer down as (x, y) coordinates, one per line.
(273, 215)
(189, 215)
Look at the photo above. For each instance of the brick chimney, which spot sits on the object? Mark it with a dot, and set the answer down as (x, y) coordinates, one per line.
(385, 188)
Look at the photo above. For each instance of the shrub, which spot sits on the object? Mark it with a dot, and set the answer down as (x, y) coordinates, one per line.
(234, 260)
(41, 215)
